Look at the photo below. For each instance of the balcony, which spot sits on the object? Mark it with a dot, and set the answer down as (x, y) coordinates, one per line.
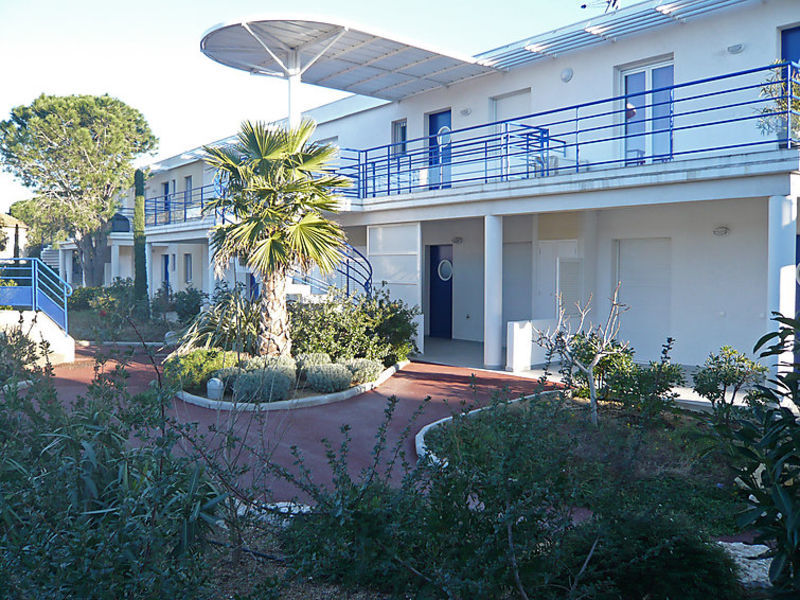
(746, 111)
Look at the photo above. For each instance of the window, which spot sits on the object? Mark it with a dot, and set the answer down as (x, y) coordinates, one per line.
(648, 113)
(187, 267)
(399, 137)
(187, 188)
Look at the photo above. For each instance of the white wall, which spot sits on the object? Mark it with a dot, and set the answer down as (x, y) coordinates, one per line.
(717, 284)
(695, 53)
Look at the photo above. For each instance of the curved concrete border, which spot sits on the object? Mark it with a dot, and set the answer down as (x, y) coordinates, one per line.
(419, 439)
(292, 404)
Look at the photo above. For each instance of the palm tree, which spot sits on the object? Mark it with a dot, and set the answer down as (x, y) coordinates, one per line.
(279, 189)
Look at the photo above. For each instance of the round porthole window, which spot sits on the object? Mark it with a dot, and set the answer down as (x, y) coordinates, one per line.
(445, 270)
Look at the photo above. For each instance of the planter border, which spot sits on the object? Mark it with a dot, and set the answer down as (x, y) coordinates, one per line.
(319, 400)
(419, 440)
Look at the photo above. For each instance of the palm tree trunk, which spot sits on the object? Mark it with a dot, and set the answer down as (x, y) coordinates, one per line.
(275, 338)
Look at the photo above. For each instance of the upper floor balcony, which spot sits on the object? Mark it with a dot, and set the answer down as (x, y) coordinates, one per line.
(729, 114)
(746, 111)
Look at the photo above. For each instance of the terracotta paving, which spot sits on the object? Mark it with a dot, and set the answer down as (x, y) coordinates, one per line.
(274, 433)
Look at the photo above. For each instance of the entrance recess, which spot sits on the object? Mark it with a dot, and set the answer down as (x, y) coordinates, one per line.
(441, 291)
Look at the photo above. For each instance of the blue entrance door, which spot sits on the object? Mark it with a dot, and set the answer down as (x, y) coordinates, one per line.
(441, 291)
(439, 152)
(165, 269)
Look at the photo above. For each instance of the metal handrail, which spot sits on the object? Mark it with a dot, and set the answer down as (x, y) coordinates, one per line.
(353, 266)
(30, 284)
(582, 136)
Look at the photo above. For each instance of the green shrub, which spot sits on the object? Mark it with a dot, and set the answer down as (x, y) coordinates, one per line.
(308, 360)
(620, 360)
(82, 297)
(343, 327)
(232, 322)
(766, 441)
(329, 378)
(191, 371)
(162, 301)
(263, 385)
(188, 303)
(647, 389)
(648, 556)
(285, 364)
(723, 376)
(87, 514)
(18, 354)
(363, 369)
(228, 376)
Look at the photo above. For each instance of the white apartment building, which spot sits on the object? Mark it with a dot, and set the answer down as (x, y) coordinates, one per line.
(642, 147)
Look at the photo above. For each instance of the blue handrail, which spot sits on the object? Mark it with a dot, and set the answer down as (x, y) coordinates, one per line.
(696, 118)
(29, 284)
(353, 266)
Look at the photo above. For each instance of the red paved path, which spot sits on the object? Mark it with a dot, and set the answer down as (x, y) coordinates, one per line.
(278, 431)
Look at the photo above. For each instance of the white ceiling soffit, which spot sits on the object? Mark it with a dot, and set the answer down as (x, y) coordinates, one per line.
(337, 55)
(608, 27)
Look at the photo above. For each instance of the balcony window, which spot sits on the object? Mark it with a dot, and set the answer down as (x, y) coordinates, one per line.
(187, 188)
(648, 113)
(399, 137)
(187, 268)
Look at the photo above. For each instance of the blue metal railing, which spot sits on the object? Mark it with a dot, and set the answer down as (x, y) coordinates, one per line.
(354, 269)
(29, 284)
(178, 207)
(706, 117)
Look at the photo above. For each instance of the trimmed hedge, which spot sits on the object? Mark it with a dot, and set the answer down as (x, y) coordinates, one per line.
(263, 385)
(329, 378)
(192, 370)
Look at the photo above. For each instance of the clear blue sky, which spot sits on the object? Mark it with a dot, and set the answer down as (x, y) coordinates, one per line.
(147, 54)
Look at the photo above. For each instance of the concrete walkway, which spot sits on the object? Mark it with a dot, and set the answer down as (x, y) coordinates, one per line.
(275, 433)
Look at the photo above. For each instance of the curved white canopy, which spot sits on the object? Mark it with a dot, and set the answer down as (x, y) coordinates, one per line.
(337, 55)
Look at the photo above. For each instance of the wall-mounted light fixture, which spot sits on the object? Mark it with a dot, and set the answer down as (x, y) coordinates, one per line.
(722, 231)
(457, 240)
(566, 74)
(465, 112)
(735, 49)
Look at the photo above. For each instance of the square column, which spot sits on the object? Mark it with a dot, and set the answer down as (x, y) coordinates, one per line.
(534, 260)
(62, 272)
(588, 252)
(148, 264)
(493, 291)
(68, 266)
(114, 261)
(211, 277)
(781, 265)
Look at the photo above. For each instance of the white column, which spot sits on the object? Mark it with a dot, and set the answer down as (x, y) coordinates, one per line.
(148, 264)
(293, 78)
(211, 278)
(493, 291)
(534, 261)
(588, 252)
(62, 272)
(68, 266)
(781, 269)
(114, 261)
